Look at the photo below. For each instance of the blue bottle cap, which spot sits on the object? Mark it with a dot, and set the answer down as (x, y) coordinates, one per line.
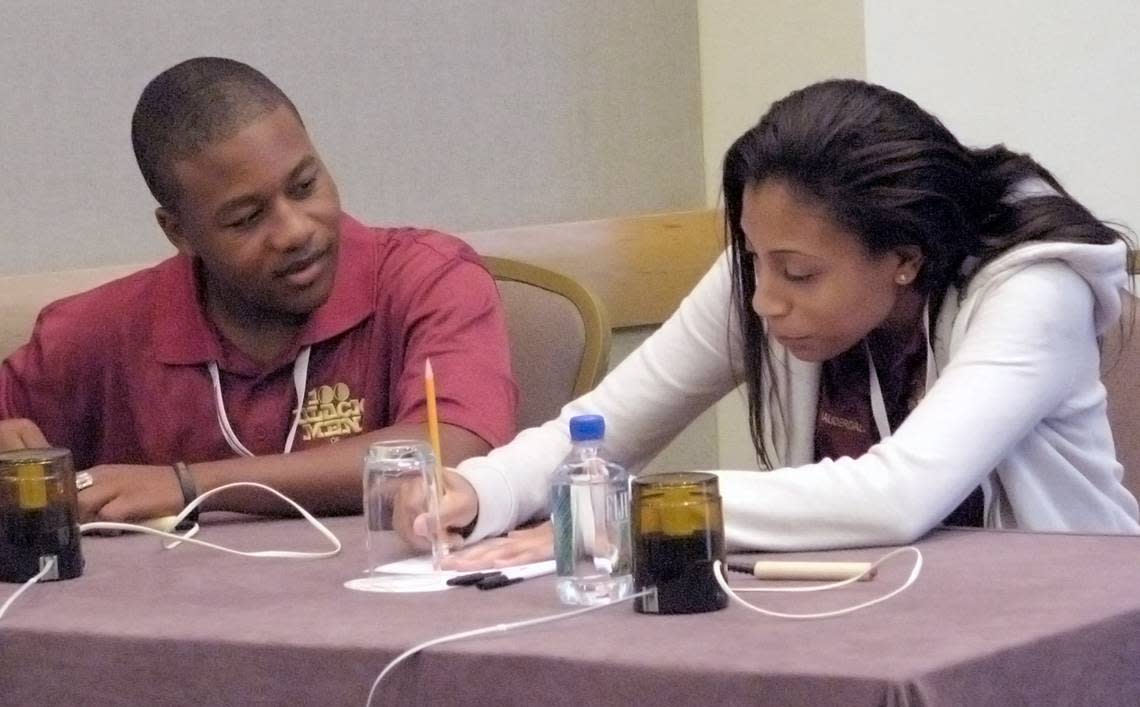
(584, 428)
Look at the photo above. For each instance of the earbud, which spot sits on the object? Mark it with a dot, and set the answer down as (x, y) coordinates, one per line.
(902, 278)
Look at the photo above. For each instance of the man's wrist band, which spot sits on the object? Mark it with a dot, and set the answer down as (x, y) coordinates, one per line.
(189, 489)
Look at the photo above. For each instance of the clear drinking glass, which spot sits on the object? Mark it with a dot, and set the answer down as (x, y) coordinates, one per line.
(388, 466)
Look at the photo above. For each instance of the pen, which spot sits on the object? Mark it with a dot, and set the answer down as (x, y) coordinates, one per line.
(501, 578)
(534, 569)
(806, 570)
(514, 575)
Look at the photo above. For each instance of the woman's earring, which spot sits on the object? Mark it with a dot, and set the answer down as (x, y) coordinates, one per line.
(902, 278)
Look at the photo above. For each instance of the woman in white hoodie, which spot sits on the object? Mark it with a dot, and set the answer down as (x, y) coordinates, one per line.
(917, 326)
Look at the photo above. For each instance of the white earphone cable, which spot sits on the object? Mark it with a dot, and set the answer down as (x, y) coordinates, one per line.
(497, 628)
(719, 573)
(40, 575)
(187, 537)
(175, 539)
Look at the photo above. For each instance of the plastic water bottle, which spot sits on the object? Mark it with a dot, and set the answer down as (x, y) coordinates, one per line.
(590, 515)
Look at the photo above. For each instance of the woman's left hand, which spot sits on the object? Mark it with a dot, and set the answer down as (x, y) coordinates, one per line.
(518, 547)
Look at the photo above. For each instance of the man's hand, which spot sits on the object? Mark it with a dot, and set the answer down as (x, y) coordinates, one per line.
(20, 434)
(519, 547)
(129, 492)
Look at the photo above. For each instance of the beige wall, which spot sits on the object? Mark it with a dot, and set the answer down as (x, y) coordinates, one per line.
(754, 52)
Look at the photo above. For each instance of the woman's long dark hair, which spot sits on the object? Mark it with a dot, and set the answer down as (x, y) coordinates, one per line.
(891, 173)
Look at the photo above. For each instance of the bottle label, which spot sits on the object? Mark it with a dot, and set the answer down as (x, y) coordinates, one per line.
(617, 507)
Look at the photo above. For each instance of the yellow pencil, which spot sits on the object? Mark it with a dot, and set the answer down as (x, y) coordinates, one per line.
(433, 423)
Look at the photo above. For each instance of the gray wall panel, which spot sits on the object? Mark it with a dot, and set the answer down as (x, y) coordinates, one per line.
(461, 115)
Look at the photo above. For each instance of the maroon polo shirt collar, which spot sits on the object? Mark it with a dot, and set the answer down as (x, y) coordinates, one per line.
(184, 336)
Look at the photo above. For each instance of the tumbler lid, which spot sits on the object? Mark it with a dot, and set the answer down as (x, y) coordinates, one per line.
(33, 456)
(695, 482)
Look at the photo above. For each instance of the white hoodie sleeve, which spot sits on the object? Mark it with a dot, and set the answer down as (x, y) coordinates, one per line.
(678, 372)
(1029, 344)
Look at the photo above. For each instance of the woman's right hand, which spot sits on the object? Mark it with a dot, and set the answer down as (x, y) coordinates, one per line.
(457, 509)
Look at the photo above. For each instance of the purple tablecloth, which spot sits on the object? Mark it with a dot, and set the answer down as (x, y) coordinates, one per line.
(995, 618)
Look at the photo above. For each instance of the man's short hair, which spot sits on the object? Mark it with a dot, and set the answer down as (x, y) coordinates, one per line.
(192, 105)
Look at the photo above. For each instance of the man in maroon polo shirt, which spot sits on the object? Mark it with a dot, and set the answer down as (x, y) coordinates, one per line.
(281, 341)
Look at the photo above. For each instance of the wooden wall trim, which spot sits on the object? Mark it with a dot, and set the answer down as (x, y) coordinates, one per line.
(640, 266)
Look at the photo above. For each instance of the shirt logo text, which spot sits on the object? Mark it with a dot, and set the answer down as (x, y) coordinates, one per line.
(330, 413)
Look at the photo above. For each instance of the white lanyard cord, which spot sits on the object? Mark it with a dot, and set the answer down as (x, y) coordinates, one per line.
(878, 406)
(300, 375)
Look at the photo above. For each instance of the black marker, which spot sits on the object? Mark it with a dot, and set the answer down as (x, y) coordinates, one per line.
(466, 580)
(514, 575)
(497, 580)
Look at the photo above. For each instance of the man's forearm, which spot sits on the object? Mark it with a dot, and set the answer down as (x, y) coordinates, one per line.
(326, 480)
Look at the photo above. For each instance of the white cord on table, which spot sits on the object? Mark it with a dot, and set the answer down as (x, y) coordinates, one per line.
(719, 573)
(12, 599)
(718, 570)
(175, 539)
(491, 629)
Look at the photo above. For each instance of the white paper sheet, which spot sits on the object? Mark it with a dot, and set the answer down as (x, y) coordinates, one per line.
(422, 566)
